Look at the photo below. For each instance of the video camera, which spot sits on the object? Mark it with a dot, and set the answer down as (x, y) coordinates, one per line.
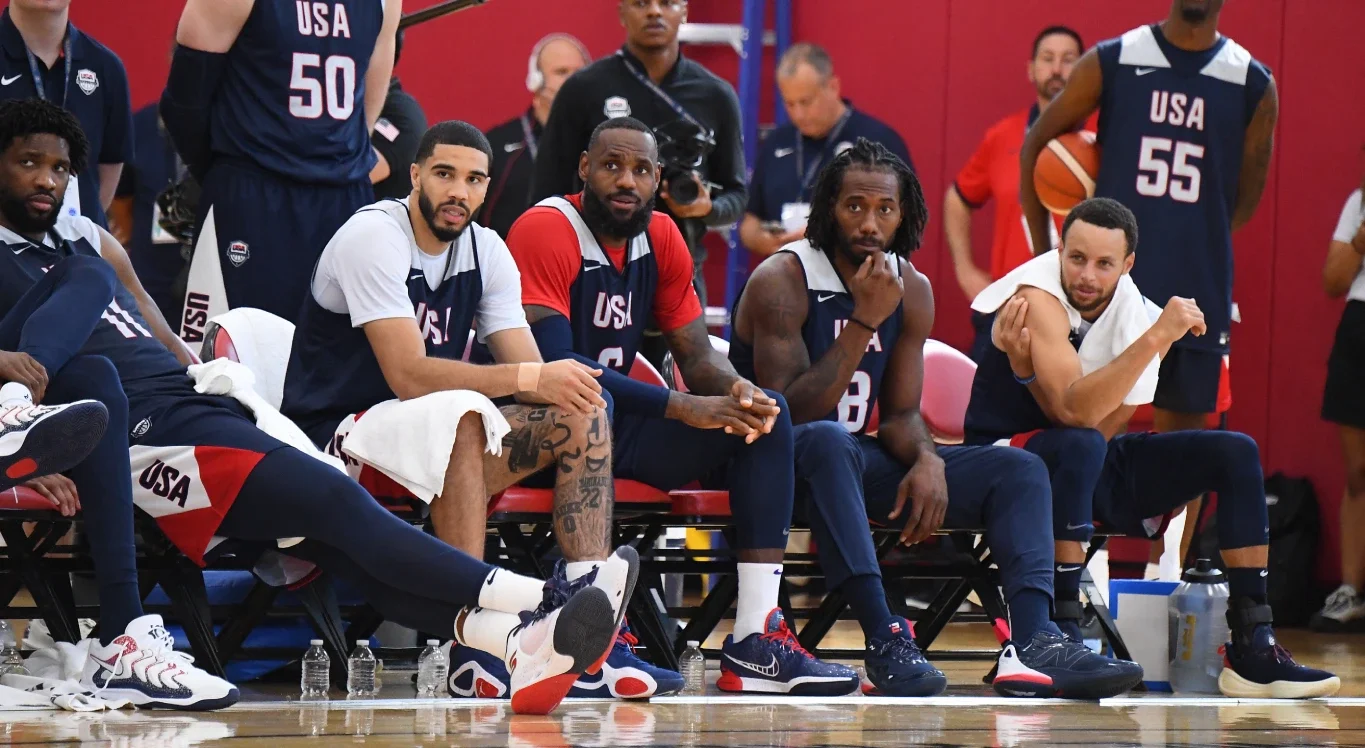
(683, 146)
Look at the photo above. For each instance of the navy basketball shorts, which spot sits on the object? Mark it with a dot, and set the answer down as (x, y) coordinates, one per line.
(259, 238)
(1343, 398)
(190, 457)
(1189, 381)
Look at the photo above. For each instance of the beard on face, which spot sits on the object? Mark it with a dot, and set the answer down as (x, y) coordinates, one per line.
(600, 219)
(1101, 298)
(17, 212)
(1194, 13)
(429, 213)
(846, 247)
(1046, 89)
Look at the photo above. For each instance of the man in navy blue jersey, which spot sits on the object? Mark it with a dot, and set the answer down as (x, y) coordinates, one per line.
(206, 473)
(837, 323)
(270, 104)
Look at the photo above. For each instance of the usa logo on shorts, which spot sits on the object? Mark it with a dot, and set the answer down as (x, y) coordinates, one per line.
(238, 254)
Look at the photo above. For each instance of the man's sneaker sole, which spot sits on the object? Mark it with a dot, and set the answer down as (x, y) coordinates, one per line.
(55, 444)
(629, 556)
(1014, 678)
(1327, 625)
(141, 700)
(804, 686)
(1234, 685)
(579, 635)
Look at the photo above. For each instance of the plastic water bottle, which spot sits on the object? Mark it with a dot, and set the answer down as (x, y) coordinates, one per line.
(317, 671)
(431, 671)
(361, 669)
(1198, 609)
(11, 661)
(693, 667)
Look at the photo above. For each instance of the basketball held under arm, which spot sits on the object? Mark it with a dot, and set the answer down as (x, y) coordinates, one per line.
(1076, 102)
(1257, 150)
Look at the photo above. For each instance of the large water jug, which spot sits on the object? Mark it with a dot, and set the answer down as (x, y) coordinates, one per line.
(1199, 628)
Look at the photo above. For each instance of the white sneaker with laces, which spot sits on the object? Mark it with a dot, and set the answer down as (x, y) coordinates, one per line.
(38, 440)
(142, 666)
(1343, 611)
(560, 640)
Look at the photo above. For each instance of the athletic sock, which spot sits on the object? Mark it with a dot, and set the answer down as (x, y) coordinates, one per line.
(1066, 585)
(867, 598)
(486, 630)
(575, 569)
(1030, 612)
(1249, 583)
(510, 593)
(758, 586)
(15, 391)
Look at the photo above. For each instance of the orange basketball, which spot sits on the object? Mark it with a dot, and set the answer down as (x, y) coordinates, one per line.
(1065, 172)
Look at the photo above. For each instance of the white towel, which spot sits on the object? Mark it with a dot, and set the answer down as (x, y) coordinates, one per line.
(54, 682)
(410, 440)
(1128, 316)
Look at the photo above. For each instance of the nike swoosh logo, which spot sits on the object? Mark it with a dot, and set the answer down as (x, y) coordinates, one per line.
(415, 276)
(825, 298)
(590, 268)
(769, 670)
(9, 79)
(1077, 527)
(513, 147)
(1144, 71)
(1065, 569)
(783, 152)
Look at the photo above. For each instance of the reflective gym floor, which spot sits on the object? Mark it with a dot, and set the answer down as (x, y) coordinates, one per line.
(970, 715)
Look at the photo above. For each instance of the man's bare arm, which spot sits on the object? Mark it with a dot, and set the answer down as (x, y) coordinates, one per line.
(212, 25)
(902, 430)
(114, 254)
(1080, 97)
(706, 370)
(775, 299)
(1257, 150)
(410, 373)
(381, 64)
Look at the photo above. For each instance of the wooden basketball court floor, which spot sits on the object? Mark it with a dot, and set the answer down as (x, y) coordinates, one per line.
(969, 715)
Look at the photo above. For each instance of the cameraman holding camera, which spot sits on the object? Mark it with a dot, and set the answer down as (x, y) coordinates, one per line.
(694, 115)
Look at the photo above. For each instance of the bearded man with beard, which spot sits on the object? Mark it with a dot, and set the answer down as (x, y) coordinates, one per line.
(595, 265)
(1030, 390)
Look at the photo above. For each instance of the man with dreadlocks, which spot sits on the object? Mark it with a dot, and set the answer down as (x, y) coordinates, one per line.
(826, 321)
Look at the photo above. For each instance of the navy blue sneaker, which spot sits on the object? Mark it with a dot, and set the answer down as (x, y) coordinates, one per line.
(1255, 666)
(475, 674)
(1067, 614)
(1053, 666)
(626, 676)
(775, 662)
(897, 667)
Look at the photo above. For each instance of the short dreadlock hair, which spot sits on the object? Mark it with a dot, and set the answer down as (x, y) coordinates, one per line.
(20, 118)
(823, 229)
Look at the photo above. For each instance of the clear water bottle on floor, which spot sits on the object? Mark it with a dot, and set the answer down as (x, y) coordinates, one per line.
(11, 661)
(692, 665)
(317, 671)
(1198, 609)
(431, 671)
(361, 670)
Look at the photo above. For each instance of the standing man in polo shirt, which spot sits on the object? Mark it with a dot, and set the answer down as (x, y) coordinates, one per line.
(993, 171)
(650, 79)
(822, 126)
(48, 58)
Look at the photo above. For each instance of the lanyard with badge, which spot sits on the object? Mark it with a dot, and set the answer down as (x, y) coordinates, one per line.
(659, 92)
(808, 175)
(528, 136)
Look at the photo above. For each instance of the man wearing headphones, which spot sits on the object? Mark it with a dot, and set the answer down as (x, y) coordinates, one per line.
(553, 59)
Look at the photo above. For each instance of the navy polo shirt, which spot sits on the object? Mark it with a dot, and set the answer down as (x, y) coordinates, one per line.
(98, 96)
(776, 181)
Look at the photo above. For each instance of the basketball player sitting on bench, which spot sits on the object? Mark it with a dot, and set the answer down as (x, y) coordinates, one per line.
(1030, 390)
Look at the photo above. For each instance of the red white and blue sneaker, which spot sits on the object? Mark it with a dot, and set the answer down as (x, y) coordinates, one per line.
(1054, 666)
(625, 676)
(475, 674)
(1255, 666)
(775, 662)
(897, 667)
(38, 440)
(142, 666)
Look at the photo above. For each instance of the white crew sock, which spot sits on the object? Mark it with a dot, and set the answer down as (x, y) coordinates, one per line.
(575, 569)
(487, 631)
(758, 585)
(510, 593)
(15, 391)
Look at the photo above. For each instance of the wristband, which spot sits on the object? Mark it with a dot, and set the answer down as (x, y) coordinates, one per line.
(861, 323)
(1031, 379)
(528, 377)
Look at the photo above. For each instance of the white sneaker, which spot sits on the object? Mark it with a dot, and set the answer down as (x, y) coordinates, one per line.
(1343, 611)
(142, 667)
(38, 440)
(560, 640)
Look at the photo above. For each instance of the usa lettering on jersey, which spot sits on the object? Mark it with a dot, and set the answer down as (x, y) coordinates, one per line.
(613, 311)
(318, 19)
(433, 328)
(1176, 109)
(875, 344)
(1169, 167)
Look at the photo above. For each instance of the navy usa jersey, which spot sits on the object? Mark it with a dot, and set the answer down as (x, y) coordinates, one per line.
(830, 306)
(333, 371)
(292, 99)
(609, 308)
(122, 335)
(1171, 129)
